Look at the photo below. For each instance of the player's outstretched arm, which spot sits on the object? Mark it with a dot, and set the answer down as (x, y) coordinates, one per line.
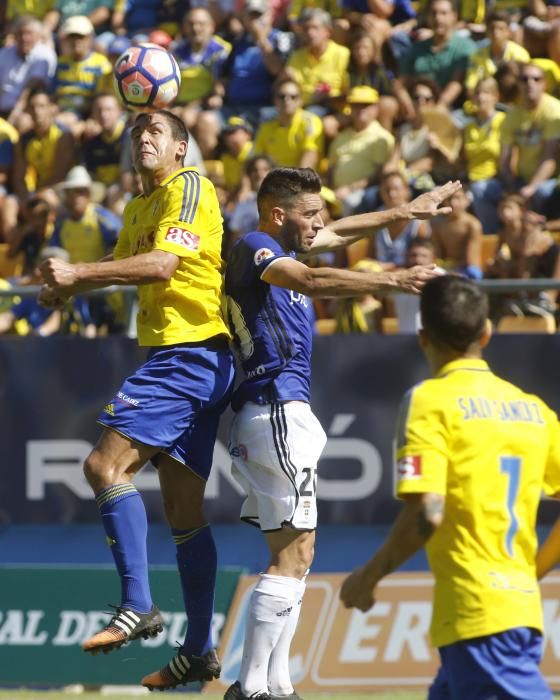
(345, 231)
(416, 523)
(548, 554)
(69, 279)
(334, 282)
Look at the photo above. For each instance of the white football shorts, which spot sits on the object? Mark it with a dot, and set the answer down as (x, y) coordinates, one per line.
(275, 449)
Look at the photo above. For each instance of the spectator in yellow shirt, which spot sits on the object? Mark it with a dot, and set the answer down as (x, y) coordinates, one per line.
(294, 138)
(531, 139)
(238, 146)
(320, 67)
(481, 150)
(484, 62)
(357, 155)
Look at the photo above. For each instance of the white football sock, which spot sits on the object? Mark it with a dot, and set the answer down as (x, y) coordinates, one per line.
(279, 681)
(269, 610)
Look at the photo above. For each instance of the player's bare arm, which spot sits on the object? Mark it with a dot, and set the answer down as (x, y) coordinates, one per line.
(421, 515)
(349, 229)
(334, 282)
(66, 279)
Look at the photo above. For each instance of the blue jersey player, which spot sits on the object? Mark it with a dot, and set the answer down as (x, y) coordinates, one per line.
(276, 441)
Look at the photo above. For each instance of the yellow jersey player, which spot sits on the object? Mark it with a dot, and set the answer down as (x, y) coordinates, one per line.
(168, 410)
(474, 453)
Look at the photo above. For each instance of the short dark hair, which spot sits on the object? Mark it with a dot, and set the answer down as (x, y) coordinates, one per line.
(453, 310)
(41, 90)
(281, 185)
(176, 124)
(420, 242)
(498, 16)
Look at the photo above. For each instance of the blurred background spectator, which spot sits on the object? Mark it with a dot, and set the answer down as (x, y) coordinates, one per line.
(384, 98)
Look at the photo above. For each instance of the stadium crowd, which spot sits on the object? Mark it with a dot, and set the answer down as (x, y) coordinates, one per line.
(384, 98)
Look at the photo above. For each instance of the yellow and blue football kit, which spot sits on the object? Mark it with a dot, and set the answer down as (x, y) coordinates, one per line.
(175, 399)
(40, 152)
(76, 82)
(491, 450)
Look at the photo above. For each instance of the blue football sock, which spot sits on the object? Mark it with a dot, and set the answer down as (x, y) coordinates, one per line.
(126, 526)
(197, 562)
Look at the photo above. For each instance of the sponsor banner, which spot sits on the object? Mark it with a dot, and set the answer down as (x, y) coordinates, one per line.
(340, 650)
(46, 613)
(53, 389)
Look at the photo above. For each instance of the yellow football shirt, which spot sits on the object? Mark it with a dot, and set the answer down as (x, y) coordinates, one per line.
(527, 130)
(354, 155)
(234, 165)
(482, 144)
(481, 64)
(330, 69)
(40, 155)
(490, 449)
(286, 144)
(182, 216)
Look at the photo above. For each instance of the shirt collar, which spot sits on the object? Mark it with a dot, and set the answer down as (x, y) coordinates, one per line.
(472, 364)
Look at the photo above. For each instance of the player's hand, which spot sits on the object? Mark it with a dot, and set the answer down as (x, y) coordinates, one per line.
(428, 205)
(51, 298)
(58, 273)
(357, 592)
(413, 279)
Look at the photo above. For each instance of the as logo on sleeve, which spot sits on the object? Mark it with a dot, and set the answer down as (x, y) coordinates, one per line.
(409, 467)
(262, 254)
(181, 236)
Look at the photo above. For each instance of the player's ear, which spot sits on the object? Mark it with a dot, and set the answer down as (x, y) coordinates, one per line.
(277, 215)
(181, 150)
(487, 333)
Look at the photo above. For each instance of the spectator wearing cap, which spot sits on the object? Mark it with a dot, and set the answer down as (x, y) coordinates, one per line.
(237, 138)
(484, 62)
(358, 154)
(258, 55)
(25, 64)
(102, 146)
(47, 151)
(201, 55)
(79, 70)
(320, 67)
(443, 57)
(294, 138)
(97, 11)
(86, 230)
(531, 139)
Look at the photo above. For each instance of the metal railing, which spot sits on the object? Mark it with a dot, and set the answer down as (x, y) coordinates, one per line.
(491, 286)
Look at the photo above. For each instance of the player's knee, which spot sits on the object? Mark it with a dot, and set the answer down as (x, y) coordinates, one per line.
(98, 472)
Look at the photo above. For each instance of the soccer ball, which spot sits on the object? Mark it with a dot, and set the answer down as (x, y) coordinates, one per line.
(146, 78)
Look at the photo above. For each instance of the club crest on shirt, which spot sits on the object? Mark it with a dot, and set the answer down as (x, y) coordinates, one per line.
(181, 236)
(262, 254)
(409, 467)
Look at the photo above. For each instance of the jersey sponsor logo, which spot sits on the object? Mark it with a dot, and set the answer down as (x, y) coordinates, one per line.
(182, 237)
(410, 467)
(263, 254)
(125, 398)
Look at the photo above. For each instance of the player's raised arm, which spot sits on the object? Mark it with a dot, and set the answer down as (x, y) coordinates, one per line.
(349, 229)
(335, 282)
